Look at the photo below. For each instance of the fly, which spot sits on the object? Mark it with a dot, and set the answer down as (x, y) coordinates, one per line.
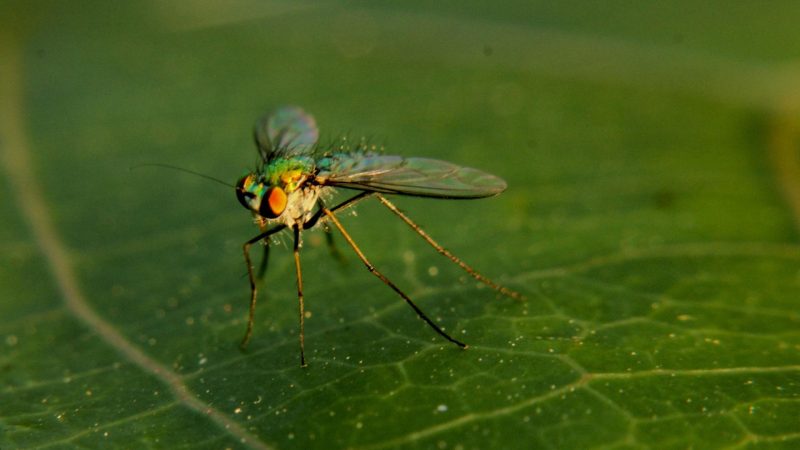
(294, 175)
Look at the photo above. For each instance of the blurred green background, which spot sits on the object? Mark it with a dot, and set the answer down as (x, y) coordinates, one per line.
(652, 217)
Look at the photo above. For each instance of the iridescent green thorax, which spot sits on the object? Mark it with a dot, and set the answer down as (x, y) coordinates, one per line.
(288, 173)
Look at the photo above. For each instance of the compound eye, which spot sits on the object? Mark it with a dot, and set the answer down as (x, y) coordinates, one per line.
(242, 194)
(273, 203)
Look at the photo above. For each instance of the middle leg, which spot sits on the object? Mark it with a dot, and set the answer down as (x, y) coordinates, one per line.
(388, 282)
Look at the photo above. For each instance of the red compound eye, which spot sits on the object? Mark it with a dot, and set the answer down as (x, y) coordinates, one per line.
(273, 203)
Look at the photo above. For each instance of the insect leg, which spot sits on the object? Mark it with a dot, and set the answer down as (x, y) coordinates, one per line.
(345, 204)
(503, 290)
(301, 306)
(351, 201)
(337, 255)
(387, 282)
(250, 275)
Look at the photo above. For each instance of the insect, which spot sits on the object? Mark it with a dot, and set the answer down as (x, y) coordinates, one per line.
(295, 175)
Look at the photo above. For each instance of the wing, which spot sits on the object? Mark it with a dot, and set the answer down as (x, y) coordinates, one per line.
(420, 177)
(288, 129)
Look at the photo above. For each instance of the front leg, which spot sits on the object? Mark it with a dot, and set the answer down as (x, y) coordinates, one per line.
(252, 278)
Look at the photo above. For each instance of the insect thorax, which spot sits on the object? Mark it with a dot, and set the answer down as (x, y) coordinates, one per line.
(301, 204)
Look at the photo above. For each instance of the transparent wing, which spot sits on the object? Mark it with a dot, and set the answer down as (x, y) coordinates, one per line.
(288, 129)
(421, 177)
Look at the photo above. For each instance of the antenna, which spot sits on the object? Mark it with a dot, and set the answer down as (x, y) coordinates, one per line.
(181, 169)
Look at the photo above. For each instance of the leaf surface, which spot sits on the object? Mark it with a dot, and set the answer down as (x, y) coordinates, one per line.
(651, 220)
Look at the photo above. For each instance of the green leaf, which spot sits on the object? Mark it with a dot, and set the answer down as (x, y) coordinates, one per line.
(651, 221)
